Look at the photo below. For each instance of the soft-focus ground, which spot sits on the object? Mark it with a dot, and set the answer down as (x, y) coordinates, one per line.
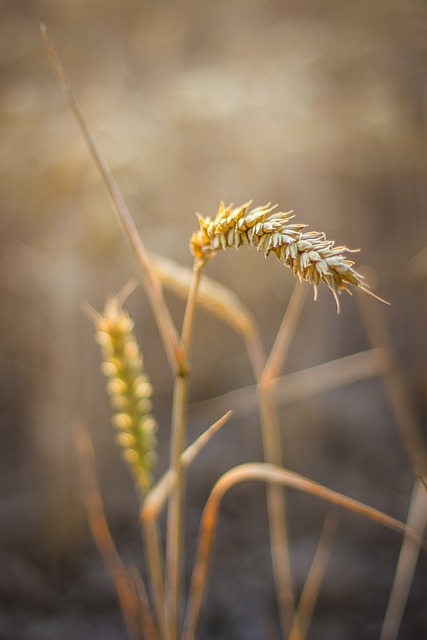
(317, 105)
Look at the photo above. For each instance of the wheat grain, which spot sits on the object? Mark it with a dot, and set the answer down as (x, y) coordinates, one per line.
(130, 391)
(309, 255)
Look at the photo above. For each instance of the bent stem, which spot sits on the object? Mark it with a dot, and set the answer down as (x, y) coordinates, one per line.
(175, 528)
(265, 473)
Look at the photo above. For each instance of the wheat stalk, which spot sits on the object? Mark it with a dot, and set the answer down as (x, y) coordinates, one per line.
(309, 255)
(130, 391)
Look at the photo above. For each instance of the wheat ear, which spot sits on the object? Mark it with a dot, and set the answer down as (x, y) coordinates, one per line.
(308, 254)
(130, 391)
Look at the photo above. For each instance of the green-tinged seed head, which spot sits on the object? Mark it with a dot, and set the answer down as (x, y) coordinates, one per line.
(130, 392)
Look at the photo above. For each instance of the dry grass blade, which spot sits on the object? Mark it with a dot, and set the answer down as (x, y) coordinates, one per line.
(285, 334)
(265, 473)
(159, 493)
(101, 533)
(212, 296)
(309, 255)
(147, 623)
(423, 481)
(417, 521)
(151, 283)
(276, 505)
(153, 504)
(303, 384)
(314, 579)
(155, 565)
(175, 516)
(407, 420)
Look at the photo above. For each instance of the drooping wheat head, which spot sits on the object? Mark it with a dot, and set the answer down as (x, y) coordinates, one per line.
(130, 391)
(308, 254)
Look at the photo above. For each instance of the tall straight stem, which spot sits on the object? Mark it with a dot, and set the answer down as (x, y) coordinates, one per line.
(276, 504)
(175, 519)
(276, 507)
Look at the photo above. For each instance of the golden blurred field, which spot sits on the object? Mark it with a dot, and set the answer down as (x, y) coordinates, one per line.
(318, 106)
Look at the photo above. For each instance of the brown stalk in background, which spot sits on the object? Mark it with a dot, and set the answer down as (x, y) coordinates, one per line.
(150, 511)
(103, 539)
(314, 579)
(406, 418)
(276, 505)
(150, 281)
(303, 384)
(417, 521)
(175, 521)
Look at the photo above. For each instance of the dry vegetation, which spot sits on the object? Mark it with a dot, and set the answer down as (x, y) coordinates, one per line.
(358, 122)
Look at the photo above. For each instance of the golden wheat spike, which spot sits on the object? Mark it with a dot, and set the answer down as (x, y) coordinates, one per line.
(309, 255)
(130, 391)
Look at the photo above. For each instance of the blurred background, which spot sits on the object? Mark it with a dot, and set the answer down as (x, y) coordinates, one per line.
(317, 105)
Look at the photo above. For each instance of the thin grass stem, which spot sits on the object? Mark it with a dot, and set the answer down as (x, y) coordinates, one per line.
(276, 505)
(157, 496)
(149, 513)
(101, 533)
(285, 334)
(147, 623)
(175, 519)
(417, 520)
(310, 592)
(256, 353)
(276, 509)
(295, 387)
(151, 282)
(407, 420)
(155, 566)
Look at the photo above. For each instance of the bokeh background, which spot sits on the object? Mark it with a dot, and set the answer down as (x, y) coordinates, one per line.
(318, 105)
